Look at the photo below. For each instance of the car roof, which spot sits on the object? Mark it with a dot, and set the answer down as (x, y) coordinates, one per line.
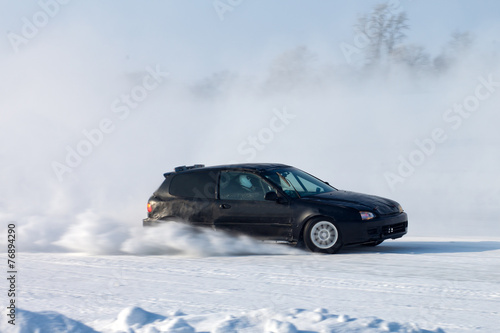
(250, 166)
(241, 166)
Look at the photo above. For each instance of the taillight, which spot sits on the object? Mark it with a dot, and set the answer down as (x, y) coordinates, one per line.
(150, 209)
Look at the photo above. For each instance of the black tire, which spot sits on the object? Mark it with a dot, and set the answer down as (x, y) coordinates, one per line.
(374, 243)
(322, 235)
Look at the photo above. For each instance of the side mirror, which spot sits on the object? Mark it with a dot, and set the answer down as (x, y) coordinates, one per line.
(271, 196)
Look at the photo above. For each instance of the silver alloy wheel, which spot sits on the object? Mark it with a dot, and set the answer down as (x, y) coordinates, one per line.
(324, 234)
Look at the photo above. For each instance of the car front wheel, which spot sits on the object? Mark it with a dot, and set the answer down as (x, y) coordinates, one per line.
(321, 235)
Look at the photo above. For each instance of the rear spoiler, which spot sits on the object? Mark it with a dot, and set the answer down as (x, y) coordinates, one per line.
(184, 168)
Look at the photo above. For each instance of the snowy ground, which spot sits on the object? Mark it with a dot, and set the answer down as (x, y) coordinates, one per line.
(408, 285)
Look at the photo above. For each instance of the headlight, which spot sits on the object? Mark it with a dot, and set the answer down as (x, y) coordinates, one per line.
(400, 209)
(366, 215)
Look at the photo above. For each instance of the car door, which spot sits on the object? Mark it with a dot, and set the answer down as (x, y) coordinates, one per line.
(241, 207)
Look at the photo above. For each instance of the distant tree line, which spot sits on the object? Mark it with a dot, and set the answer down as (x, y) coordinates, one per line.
(379, 43)
(380, 37)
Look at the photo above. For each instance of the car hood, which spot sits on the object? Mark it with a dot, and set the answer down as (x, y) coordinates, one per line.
(360, 201)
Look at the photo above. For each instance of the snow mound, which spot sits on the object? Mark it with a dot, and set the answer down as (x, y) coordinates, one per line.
(177, 325)
(137, 320)
(276, 326)
(134, 317)
(42, 322)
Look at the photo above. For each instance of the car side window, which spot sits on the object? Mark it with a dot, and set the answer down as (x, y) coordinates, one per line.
(283, 183)
(309, 186)
(199, 184)
(235, 185)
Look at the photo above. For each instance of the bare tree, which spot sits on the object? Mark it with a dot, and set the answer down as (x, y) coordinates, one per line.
(385, 28)
(459, 44)
(290, 69)
(214, 85)
(413, 56)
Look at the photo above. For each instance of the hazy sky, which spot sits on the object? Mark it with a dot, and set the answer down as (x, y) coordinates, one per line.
(193, 37)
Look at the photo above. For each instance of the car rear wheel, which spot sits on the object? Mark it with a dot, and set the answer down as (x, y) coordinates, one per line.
(321, 235)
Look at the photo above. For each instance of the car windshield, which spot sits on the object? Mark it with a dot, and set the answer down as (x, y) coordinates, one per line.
(297, 183)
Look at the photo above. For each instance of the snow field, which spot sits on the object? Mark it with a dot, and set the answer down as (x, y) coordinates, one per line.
(407, 285)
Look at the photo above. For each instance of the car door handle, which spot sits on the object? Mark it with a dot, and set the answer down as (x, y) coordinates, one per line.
(225, 206)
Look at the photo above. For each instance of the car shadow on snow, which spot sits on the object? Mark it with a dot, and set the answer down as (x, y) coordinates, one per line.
(425, 247)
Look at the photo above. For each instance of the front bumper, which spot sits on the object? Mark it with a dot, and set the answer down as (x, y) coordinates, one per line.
(379, 229)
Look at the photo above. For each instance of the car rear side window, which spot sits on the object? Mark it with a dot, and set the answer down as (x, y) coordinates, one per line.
(199, 184)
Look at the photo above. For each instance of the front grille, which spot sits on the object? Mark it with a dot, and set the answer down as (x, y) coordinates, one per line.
(394, 228)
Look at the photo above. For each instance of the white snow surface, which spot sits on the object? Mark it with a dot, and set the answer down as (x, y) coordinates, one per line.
(412, 284)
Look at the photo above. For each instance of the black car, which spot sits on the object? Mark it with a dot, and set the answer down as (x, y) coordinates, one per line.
(275, 202)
